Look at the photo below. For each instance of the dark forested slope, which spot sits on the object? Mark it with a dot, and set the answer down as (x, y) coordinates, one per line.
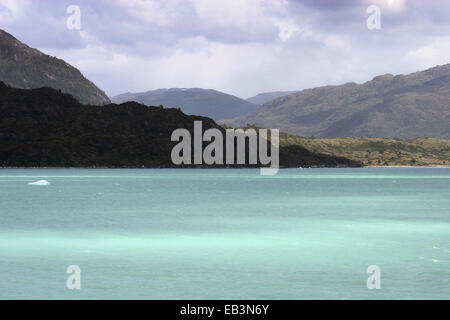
(44, 127)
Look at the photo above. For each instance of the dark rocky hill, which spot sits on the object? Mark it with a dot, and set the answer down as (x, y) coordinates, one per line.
(44, 127)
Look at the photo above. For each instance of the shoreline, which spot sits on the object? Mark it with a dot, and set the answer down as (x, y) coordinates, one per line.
(203, 167)
(427, 166)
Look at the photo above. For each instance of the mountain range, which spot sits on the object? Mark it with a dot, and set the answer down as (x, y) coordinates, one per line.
(45, 127)
(262, 98)
(401, 106)
(26, 68)
(192, 101)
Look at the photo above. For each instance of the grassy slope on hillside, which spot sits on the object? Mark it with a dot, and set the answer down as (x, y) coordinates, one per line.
(378, 151)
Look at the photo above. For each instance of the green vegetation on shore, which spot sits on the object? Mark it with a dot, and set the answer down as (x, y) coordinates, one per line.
(378, 151)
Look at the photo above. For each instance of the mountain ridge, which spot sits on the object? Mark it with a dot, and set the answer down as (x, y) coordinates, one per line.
(388, 106)
(264, 97)
(27, 68)
(194, 101)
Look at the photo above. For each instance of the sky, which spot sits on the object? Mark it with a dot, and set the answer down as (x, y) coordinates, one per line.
(241, 47)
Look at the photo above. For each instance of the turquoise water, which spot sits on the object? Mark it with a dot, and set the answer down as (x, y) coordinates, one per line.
(225, 233)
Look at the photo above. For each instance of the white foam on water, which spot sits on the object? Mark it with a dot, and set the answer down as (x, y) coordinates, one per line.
(39, 183)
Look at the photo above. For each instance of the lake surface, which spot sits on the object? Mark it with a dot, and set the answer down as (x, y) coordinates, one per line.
(225, 233)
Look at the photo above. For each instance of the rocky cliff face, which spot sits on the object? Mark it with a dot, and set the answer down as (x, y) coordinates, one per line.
(26, 68)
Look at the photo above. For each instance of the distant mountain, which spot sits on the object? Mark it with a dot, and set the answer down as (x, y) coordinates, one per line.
(203, 102)
(44, 127)
(402, 106)
(24, 67)
(265, 97)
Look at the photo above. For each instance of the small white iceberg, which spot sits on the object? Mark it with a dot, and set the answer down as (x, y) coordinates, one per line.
(39, 183)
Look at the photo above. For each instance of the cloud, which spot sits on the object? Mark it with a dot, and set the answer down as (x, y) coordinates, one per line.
(287, 29)
(236, 46)
(434, 53)
(390, 5)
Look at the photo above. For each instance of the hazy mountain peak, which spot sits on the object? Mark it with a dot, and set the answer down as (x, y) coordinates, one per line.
(383, 77)
(265, 97)
(193, 101)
